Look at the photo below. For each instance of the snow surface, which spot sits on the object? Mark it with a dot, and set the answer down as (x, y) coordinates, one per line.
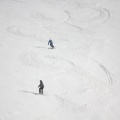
(81, 75)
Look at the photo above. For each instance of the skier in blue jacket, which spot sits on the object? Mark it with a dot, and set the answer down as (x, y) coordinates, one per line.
(50, 42)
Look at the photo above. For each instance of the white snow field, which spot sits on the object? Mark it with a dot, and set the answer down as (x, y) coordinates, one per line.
(81, 75)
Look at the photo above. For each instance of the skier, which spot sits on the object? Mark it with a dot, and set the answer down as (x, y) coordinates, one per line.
(41, 87)
(51, 43)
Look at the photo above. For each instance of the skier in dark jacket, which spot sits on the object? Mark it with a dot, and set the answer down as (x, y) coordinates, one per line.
(41, 87)
(51, 43)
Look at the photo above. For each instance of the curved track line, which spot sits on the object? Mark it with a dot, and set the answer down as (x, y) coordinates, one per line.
(46, 21)
(16, 31)
(106, 13)
(67, 105)
(101, 15)
(50, 25)
(106, 72)
(54, 57)
(68, 13)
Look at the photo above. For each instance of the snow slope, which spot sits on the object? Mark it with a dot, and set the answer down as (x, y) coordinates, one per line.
(81, 75)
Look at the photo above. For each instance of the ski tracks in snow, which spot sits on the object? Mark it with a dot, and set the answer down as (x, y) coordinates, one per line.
(47, 20)
(69, 67)
(92, 16)
(65, 101)
(67, 105)
(108, 74)
(51, 22)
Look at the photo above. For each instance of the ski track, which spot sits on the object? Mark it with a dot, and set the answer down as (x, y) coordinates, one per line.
(58, 58)
(17, 31)
(102, 15)
(108, 74)
(33, 59)
(68, 17)
(69, 106)
(64, 102)
(47, 21)
(72, 107)
(105, 14)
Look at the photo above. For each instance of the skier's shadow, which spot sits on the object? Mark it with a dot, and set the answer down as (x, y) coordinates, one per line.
(38, 47)
(29, 92)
